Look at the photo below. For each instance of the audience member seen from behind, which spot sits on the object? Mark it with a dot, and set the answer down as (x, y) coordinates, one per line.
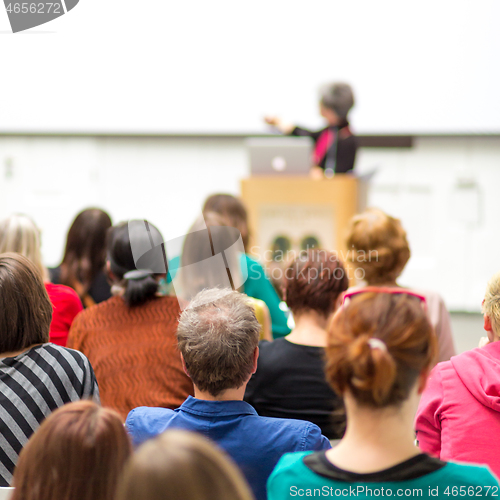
(19, 234)
(459, 414)
(290, 378)
(211, 234)
(130, 338)
(379, 247)
(82, 267)
(36, 377)
(257, 284)
(181, 465)
(381, 347)
(218, 338)
(78, 453)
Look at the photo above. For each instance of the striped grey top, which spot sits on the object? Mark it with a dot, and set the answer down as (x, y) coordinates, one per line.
(32, 385)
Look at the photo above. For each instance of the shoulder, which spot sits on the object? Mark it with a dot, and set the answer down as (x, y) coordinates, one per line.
(289, 469)
(252, 263)
(464, 474)
(144, 422)
(65, 354)
(62, 293)
(296, 435)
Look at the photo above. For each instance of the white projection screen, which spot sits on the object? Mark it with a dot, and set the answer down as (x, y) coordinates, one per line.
(201, 67)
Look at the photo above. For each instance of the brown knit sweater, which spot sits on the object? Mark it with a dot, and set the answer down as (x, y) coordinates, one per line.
(133, 352)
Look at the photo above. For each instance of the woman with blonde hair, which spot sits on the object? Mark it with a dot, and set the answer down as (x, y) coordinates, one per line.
(378, 247)
(78, 453)
(381, 347)
(182, 465)
(19, 234)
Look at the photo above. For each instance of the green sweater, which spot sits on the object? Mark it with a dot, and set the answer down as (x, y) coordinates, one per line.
(292, 478)
(257, 285)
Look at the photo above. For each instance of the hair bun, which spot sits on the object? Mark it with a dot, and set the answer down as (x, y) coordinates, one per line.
(373, 367)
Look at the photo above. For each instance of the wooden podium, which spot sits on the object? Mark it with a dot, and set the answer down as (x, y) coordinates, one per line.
(291, 212)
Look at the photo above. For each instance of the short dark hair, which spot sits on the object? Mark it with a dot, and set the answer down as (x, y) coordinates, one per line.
(217, 334)
(25, 307)
(314, 281)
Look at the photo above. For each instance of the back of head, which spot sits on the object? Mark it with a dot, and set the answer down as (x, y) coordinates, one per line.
(217, 335)
(25, 307)
(233, 210)
(137, 279)
(78, 453)
(377, 347)
(19, 234)
(337, 96)
(179, 464)
(491, 303)
(85, 253)
(210, 235)
(314, 282)
(377, 244)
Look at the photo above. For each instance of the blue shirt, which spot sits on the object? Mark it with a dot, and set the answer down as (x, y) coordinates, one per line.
(255, 443)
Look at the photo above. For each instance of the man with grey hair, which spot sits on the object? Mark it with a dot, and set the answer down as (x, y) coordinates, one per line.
(218, 337)
(335, 145)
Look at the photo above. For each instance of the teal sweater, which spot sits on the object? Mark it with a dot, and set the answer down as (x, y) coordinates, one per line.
(293, 479)
(258, 286)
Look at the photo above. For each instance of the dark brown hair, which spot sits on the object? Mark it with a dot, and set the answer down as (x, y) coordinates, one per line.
(379, 377)
(233, 210)
(85, 253)
(314, 281)
(25, 307)
(121, 259)
(180, 464)
(217, 334)
(78, 453)
(377, 244)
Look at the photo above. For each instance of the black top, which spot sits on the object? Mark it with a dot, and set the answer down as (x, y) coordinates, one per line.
(342, 153)
(417, 466)
(99, 290)
(290, 383)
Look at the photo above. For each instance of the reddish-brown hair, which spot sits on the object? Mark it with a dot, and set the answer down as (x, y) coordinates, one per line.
(78, 453)
(377, 244)
(314, 281)
(375, 376)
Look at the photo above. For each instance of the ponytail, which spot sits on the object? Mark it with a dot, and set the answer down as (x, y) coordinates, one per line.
(377, 347)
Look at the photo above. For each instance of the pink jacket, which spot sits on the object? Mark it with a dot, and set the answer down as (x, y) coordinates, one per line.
(459, 414)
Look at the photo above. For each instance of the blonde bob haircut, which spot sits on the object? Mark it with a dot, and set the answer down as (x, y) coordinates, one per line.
(491, 303)
(180, 464)
(377, 244)
(19, 234)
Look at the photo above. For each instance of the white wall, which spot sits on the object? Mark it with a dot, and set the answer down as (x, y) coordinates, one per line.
(453, 229)
(155, 66)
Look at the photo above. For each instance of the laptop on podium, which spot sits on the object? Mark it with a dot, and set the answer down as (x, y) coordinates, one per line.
(274, 156)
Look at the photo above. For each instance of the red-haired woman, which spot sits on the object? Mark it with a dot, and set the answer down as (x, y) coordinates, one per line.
(381, 347)
(78, 453)
(290, 379)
